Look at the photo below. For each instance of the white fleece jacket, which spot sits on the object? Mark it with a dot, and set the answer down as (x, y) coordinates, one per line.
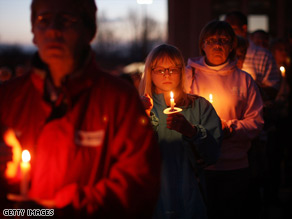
(236, 99)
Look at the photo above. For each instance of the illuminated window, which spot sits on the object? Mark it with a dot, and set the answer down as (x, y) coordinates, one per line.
(256, 22)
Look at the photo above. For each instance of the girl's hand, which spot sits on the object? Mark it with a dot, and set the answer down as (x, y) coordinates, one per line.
(179, 123)
(147, 103)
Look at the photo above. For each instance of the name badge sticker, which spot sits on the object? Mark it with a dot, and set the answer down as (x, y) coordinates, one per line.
(89, 138)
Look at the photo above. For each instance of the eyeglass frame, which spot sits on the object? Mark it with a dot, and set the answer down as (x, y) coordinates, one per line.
(217, 41)
(168, 69)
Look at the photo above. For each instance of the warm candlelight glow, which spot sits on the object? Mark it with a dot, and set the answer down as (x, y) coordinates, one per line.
(171, 101)
(283, 71)
(25, 173)
(211, 98)
(12, 166)
(172, 109)
(25, 156)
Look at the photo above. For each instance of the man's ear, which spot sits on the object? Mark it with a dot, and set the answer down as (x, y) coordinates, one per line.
(33, 38)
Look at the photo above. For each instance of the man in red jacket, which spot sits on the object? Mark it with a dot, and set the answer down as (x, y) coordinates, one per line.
(92, 147)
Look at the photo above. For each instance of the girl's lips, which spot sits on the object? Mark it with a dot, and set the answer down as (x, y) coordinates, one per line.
(167, 82)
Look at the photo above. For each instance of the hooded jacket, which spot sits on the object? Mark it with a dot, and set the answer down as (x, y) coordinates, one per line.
(180, 195)
(237, 100)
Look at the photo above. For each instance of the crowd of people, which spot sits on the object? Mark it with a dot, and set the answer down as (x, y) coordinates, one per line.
(200, 139)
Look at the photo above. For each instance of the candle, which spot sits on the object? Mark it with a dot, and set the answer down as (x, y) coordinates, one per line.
(171, 101)
(283, 71)
(210, 98)
(25, 173)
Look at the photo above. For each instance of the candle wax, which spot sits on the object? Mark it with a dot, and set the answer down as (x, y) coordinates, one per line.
(25, 173)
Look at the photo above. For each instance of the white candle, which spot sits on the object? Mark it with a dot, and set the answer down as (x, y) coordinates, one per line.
(211, 98)
(283, 71)
(171, 101)
(25, 173)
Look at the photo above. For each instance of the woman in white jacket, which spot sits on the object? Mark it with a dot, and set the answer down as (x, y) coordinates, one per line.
(237, 100)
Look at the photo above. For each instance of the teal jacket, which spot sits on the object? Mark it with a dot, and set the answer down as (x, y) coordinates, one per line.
(180, 195)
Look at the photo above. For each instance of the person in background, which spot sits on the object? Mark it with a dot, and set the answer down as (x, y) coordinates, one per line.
(133, 73)
(20, 70)
(260, 38)
(258, 62)
(93, 150)
(237, 100)
(5, 74)
(261, 65)
(279, 49)
(188, 140)
(241, 49)
(278, 151)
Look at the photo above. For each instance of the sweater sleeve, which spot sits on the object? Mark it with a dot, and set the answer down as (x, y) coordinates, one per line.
(208, 139)
(251, 123)
(154, 121)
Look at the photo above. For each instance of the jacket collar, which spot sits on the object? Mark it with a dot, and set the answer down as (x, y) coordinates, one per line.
(73, 83)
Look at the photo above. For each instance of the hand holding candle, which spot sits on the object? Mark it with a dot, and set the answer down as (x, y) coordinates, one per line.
(25, 173)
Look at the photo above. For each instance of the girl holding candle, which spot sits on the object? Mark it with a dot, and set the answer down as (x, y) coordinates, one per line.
(182, 136)
(238, 103)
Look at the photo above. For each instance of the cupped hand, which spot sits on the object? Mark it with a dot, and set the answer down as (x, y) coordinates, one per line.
(147, 103)
(179, 123)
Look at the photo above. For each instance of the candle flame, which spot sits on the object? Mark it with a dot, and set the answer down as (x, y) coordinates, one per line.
(25, 156)
(171, 94)
(12, 166)
(211, 98)
(283, 70)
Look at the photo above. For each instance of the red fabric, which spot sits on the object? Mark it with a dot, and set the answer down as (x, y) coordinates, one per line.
(120, 173)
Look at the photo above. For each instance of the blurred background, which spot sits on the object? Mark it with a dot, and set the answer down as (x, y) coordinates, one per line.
(129, 29)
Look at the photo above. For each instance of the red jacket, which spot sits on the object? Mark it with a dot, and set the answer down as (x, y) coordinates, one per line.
(101, 156)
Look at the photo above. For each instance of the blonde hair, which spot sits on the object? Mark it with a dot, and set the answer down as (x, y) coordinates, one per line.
(160, 52)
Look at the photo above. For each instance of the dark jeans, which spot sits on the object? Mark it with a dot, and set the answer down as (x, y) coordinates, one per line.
(227, 193)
